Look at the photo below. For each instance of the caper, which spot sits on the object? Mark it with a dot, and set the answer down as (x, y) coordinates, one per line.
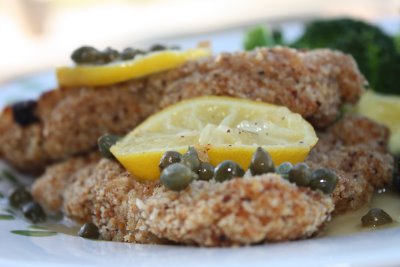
(206, 171)
(284, 169)
(33, 212)
(324, 180)
(375, 217)
(89, 230)
(105, 142)
(177, 176)
(19, 197)
(300, 174)
(261, 162)
(86, 55)
(191, 159)
(158, 47)
(169, 158)
(227, 170)
(130, 53)
(109, 55)
(24, 112)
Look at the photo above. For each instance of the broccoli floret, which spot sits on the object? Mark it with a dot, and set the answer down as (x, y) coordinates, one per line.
(261, 37)
(397, 42)
(375, 52)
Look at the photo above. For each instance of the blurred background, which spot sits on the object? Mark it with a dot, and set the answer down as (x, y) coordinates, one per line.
(36, 35)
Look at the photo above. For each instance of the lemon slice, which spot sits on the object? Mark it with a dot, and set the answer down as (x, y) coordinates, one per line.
(220, 128)
(125, 70)
(386, 110)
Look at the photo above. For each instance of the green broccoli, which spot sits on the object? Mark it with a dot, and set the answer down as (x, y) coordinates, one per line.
(260, 36)
(375, 52)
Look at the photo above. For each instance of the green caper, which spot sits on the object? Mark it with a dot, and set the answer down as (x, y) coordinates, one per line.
(89, 230)
(86, 55)
(191, 159)
(300, 174)
(130, 53)
(33, 212)
(227, 170)
(206, 171)
(375, 217)
(105, 142)
(177, 176)
(109, 55)
(324, 180)
(169, 158)
(19, 197)
(261, 162)
(158, 47)
(174, 47)
(284, 169)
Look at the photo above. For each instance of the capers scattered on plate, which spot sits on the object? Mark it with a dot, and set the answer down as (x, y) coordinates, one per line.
(105, 142)
(158, 47)
(177, 176)
(89, 230)
(376, 217)
(24, 112)
(169, 158)
(300, 174)
(324, 180)
(178, 171)
(131, 53)
(261, 162)
(33, 212)
(19, 197)
(91, 56)
(284, 169)
(191, 159)
(227, 170)
(206, 171)
(86, 55)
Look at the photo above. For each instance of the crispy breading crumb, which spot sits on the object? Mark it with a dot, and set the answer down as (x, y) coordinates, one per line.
(355, 148)
(102, 195)
(237, 212)
(49, 189)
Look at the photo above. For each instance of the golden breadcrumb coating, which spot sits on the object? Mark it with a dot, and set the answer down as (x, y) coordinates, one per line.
(236, 212)
(49, 189)
(102, 195)
(313, 83)
(356, 149)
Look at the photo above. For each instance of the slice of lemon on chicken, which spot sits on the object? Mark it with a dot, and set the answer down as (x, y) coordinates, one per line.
(220, 128)
(140, 66)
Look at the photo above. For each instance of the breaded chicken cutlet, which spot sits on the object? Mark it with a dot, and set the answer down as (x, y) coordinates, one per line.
(213, 214)
(236, 212)
(68, 121)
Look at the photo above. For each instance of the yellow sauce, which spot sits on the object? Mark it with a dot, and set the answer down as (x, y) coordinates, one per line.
(350, 222)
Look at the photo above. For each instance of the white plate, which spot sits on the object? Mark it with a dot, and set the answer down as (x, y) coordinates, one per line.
(379, 248)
